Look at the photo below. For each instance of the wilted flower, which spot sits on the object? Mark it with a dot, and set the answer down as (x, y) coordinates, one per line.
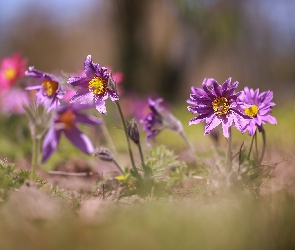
(49, 93)
(11, 69)
(65, 121)
(216, 104)
(158, 119)
(94, 87)
(258, 107)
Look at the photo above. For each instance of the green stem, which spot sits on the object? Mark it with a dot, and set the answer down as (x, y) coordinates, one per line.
(187, 142)
(35, 154)
(263, 146)
(127, 137)
(228, 162)
(118, 166)
(108, 138)
(141, 154)
(256, 147)
(251, 145)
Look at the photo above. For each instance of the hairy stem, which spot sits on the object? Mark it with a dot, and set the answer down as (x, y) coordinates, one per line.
(228, 161)
(187, 142)
(118, 166)
(263, 146)
(127, 138)
(141, 154)
(107, 136)
(35, 155)
(251, 145)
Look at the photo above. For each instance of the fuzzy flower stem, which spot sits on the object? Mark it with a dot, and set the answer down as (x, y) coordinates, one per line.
(127, 137)
(263, 146)
(107, 136)
(35, 154)
(251, 145)
(141, 154)
(228, 161)
(256, 147)
(118, 166)
(187, 142)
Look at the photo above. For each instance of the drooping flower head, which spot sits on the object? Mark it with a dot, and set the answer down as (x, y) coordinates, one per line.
(258, 107)
(49, 90)
(94, 87)
(159, 119)
(216, 104)
(66, 119)
(11, 68)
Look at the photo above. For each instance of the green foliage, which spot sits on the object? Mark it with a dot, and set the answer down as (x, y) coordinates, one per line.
(10, 178)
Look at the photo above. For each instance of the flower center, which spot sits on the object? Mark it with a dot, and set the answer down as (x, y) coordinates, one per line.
(252, 111)
(10, 73)
(68, 119)
(220, 105)
(97, 86)
(49, 87)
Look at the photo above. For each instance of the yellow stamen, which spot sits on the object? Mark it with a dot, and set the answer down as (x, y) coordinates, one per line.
(252, 111)
(97, 86)
(49, 87)
(220, 105)
(68, 118)
(10, 74)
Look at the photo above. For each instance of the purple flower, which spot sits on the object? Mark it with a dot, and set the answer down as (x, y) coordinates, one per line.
(216, 104)
(94, 87)
(258, 107)
(65, 121)
(158, 119)
(49, 92)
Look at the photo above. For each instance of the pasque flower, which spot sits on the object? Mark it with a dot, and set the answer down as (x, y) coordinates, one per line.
(65, 121)
(49, 90)
(13, 101)
(11, 68)
(94, 87)
(216, 104)
(258, 107)
(158, 119)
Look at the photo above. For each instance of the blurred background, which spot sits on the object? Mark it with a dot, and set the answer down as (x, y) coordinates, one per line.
(161, 46)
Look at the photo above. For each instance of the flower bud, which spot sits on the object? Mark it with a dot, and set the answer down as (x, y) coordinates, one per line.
(104, 154)
(133, 132)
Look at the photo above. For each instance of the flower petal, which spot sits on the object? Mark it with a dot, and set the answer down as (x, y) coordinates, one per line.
(89, 67)
(212, 122)
(80, 140)
(82, 96)
(87, 119)
(82, 82)
(50, 143)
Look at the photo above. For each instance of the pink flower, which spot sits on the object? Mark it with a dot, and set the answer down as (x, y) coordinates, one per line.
(11, 69)
(13, 100)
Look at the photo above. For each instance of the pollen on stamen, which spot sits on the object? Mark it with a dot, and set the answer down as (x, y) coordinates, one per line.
(98, 86)
(67, 119)
(49, 87)
(252, 111)
(220, 105)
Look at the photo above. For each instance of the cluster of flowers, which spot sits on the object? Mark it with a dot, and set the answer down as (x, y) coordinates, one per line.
(215, 104)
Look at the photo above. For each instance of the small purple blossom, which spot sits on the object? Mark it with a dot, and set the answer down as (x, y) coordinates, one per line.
(158, 119)
(49, 93)
(216, 104)
(65, 121)
(94, 87)
(258, 107)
